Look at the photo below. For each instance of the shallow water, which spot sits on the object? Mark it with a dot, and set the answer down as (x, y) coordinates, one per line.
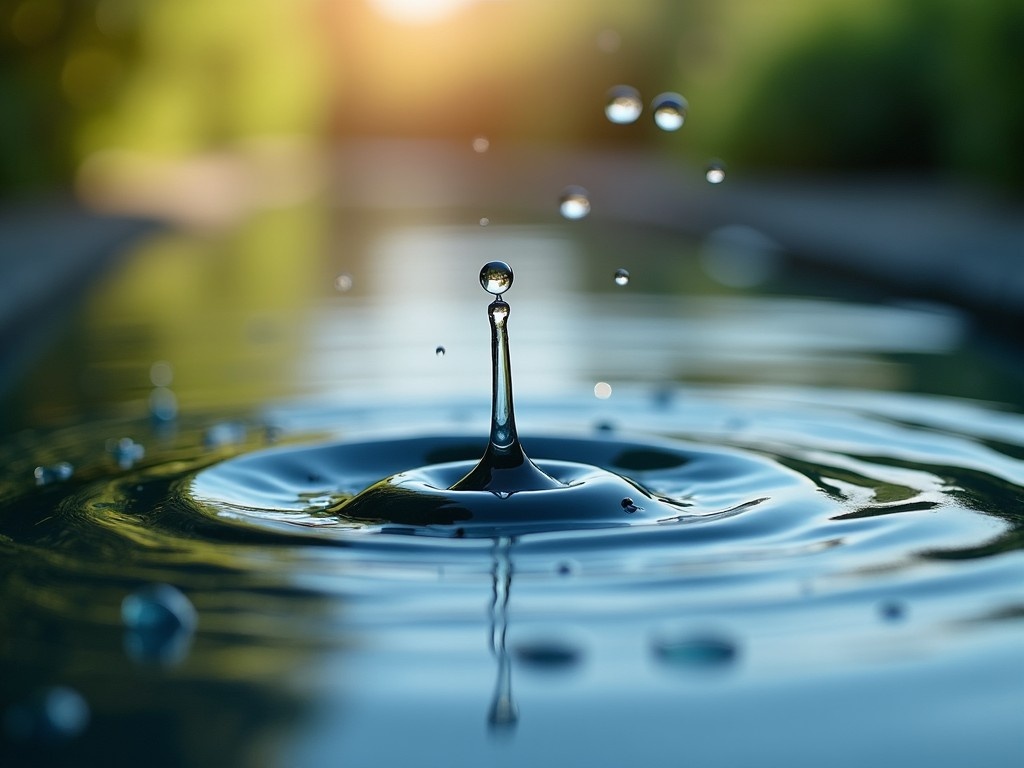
(841, 584)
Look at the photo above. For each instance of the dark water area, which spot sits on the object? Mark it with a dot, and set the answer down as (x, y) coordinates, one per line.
(822, 563)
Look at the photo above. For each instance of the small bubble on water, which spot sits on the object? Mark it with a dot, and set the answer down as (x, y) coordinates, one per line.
(496, 277)
(440, 351)
(621, 277)
(602, 390)
(126, 452)
(343, 283)
(669, 111)
(574, 203)
(159, 621)
(52, 715)
(481, 144)
(54, 473)
(624, 105)
(700, 651)
(484, 221)
(161, 374)
(715, 172)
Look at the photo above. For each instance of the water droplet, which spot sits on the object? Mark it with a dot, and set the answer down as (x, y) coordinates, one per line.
(574, 203)
(624, 105)
(481, 144)
(126, 452)
(669, 111)
(163, 405)
(54, 714)
(629, 506)
(159, 622)
(566, 568)
(484, 221)
(715, 172)
(707, 651)
(224, 434)
(602, 390)
(54, 473)
(547, 654)
(496, 277)
(343, 283)
(161, 374)
(893, 610)
(440, 351)
(621, 277)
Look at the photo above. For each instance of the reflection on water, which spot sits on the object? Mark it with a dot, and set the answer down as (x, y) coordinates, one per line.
(866, 564)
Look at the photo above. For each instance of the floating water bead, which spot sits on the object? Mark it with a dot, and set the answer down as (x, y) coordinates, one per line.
(624, 105)
(440, 351)
(496, 277)
(715, 172)
(574, 203)
(621, 277)
(669, 111)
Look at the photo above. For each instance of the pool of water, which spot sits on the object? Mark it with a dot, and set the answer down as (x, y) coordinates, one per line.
(840, 582)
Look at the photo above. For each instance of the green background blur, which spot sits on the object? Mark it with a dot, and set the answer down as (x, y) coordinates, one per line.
(929, 87)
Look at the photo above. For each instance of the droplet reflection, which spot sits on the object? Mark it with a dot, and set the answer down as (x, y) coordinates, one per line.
(624, 105)
(669, 111)
(574, 203)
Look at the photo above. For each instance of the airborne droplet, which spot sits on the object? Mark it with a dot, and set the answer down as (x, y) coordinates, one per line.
(574, 203)
(624, 105)
(496, 277)
(621, 277)
(343, 282)
(440, 351)
(669, 111)
(715, 172)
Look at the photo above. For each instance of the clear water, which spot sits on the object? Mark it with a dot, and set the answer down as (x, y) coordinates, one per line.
(840, 581)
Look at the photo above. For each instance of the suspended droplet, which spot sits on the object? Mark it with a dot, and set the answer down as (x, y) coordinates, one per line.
(52, 715)
(160, 621)
(481, 144)
(602, 390)
(624, 105)
(715, 172)
(669, 111)
(700, 651)
(126, 452)
(629, 506)
(161, 374)
(484, 221)
(621, 276)
(574, 203)
(343, 282)
(496, 277)
(54, 473)
(223, 434)
(163, 405)
(440, 351)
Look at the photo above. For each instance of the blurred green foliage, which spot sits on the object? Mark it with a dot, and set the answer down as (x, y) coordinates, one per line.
(928, 85)
(823, 85)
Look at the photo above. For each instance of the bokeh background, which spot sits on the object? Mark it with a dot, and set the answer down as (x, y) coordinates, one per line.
(95, 91)
(262, 149)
